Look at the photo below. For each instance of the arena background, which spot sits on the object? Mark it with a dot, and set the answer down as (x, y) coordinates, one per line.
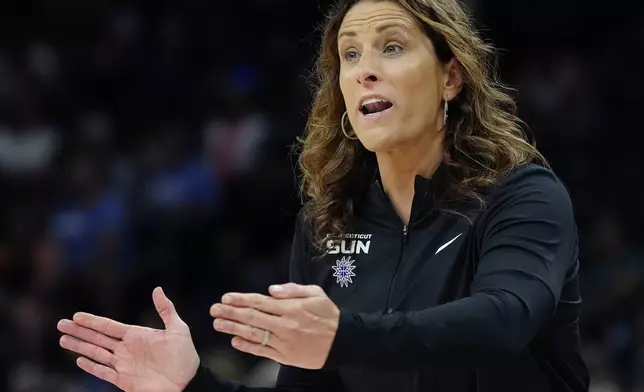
(147, 143)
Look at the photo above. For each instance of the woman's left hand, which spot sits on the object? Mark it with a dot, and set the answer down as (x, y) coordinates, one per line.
(301, 322)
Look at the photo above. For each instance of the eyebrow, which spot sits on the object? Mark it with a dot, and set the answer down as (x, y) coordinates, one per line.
(379, 29)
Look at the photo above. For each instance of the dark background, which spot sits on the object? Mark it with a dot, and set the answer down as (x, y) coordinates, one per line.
(147, 143)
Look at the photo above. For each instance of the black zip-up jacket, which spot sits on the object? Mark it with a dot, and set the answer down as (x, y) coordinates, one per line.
(447, 304)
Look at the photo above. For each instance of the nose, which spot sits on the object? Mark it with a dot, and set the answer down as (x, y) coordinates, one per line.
(368, 71)
(367, 79)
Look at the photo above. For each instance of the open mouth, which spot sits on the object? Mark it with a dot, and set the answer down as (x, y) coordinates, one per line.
(374, 106)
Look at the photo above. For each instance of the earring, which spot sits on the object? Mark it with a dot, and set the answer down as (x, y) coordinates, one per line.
(445, 113)
(342, 121)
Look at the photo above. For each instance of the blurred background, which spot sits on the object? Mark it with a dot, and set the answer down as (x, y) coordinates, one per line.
(148, 143)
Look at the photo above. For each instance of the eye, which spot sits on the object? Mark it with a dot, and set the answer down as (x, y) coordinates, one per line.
(393, 49)
(351, 55)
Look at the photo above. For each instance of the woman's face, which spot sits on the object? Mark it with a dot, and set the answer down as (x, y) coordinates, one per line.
(392, 82)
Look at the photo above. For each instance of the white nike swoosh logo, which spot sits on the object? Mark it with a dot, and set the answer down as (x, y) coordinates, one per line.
(448, 243)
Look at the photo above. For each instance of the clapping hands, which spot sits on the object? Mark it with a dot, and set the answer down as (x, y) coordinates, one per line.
(297, 325)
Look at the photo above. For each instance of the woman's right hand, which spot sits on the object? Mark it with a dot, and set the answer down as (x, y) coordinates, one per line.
(134, 358)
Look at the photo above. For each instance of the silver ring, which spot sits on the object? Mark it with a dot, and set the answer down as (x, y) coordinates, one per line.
(267, 334)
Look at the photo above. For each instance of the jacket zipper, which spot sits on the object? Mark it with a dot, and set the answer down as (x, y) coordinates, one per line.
(405, 239)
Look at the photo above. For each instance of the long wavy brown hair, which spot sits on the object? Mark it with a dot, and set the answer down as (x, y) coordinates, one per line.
(484, 138)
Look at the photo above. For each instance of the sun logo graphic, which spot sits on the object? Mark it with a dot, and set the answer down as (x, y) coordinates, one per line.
(344, 271)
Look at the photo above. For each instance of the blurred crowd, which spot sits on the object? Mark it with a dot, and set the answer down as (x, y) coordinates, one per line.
(148, 143)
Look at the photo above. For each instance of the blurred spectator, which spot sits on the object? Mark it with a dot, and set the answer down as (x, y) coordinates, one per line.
(89, 223)
(613, 295)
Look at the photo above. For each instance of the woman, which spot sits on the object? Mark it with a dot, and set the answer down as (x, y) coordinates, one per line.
(435, 251)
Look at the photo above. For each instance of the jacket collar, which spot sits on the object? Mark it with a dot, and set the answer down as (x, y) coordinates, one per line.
(425, 192)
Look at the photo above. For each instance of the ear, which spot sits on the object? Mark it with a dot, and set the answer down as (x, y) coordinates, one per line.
(453, 79)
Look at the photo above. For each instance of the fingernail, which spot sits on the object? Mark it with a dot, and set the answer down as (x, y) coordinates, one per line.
(215, 310)
(276, 289)
(227, 299)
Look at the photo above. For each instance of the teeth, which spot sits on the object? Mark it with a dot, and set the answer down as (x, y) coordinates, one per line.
(372, 100)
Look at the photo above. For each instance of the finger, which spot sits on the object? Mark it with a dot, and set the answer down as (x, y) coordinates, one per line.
(103, 325)
(255, 349)
(293, 290)
(70, 328)
(247, 332)
(256, 301)
(97, 370)
(88, 350)
(167, 310)
(247, 316)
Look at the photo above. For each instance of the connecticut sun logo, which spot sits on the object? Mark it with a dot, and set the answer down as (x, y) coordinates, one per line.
(344, 271)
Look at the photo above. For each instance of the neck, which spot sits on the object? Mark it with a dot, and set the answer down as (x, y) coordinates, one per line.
(399, 168)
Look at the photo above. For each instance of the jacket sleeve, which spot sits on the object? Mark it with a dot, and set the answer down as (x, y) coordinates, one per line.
(290, 379)
(528, 243)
